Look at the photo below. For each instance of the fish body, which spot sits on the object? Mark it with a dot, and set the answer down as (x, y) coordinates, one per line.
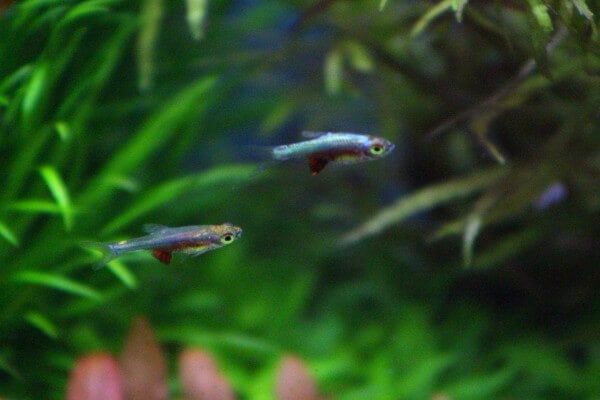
(162, 241)
(325, 147)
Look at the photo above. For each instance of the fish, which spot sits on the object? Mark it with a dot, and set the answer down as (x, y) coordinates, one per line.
(321, 148)
(162, 241)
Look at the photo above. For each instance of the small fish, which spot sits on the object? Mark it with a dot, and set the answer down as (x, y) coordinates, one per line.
(325, 147)
(162, 241)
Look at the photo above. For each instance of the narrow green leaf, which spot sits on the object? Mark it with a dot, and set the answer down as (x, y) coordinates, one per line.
(8, 367)
(540, 12)
(429, 16)
(382, 4)
(422, 200)
(481, 387)
(196, 11)
(121, 271)
(36, 91)
(459, 6)
(423, 374)
(16, 78)
(359, 57)
(227, 341)
(8, 234)
(583, 9)
(35, 206)
(59, 191)
(123, 183)
(161, 127)
(63, 130)
(57, 282)
(86, 9)
(151, 17)
(42, 323)
(280, 113)
(334, 72)
(162, 195)
(472, 229)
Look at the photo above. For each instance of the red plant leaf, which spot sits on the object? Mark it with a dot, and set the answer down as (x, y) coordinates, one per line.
(294, 381)
(96, 377)
(144, 364)
(201, 378)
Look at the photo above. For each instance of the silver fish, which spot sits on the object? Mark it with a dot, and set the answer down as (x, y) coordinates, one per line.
(325, 147)
(162, 241)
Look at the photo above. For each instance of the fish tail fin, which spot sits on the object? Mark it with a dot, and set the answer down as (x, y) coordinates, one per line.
(105, 251)
(263, 156)
(261, 153)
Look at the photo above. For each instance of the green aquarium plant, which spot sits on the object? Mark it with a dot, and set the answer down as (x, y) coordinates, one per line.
(463, 265)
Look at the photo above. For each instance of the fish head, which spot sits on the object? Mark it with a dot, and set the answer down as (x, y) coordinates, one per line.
(376, 147)
(226, 233)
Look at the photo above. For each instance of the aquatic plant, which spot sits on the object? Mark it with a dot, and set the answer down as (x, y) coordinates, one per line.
(115, 114)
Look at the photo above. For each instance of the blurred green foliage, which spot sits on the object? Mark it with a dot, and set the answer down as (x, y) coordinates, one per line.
(118, 113)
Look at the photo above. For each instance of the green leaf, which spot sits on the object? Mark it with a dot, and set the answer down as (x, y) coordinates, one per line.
(63, 130)
(472, 229)
(37, 90)
(160, 128)
(583, 9)
(196, 12)
(57, 282)
(59, 191)
(120, 270)
(279, 115)
(334, 72)
(42, 323)
(151, 16)
(86, 9)
(459, 6)
(35, 206)
(232, 342)
(540, 12)
(359, 57)
(164, 194)
(382, 4)
(422, 200)
(429, 16)
(16, 78)
(423, 375)
(8, 367)
(481, 386)
(8, 234)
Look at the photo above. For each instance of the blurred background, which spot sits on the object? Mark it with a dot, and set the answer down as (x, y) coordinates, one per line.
(463, 266)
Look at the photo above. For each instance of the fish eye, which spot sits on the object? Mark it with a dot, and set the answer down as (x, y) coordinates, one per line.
(376, 149)
(227, 238)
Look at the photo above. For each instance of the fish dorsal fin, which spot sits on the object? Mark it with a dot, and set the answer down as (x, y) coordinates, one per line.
(162, 256)
(312, 134)
(154, 228)
(316, 164)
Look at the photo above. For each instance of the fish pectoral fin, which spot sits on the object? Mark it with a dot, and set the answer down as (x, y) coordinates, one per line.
(317, 164)
(312, 134)
(162, 256)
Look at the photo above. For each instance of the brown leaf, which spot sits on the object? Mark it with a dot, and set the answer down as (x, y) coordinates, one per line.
(144, 365)
(200, 377)
(294, 381)
(96, 377)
